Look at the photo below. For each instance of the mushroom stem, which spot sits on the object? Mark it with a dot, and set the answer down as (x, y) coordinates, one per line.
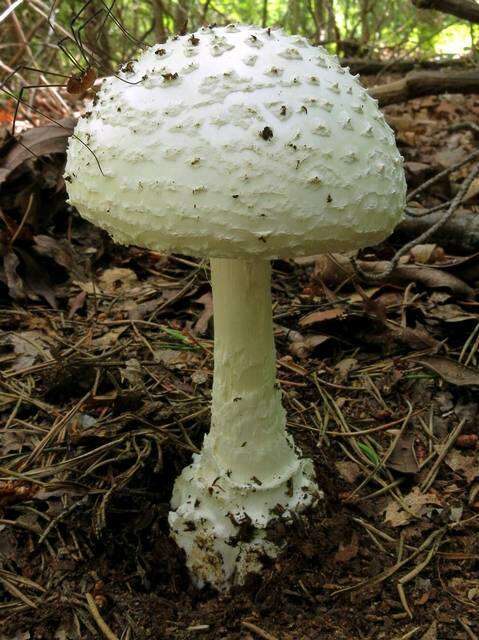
(249, 477)
(247, 438)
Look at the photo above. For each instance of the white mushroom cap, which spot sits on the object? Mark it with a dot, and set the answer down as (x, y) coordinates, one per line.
(237, 142)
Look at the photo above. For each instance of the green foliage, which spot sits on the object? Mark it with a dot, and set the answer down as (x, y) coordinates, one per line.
(349, 28)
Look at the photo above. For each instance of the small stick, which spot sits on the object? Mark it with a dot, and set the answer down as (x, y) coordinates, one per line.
(102, 625)
(467, 629)
(409, 634)
(429, 479)
(259, 632)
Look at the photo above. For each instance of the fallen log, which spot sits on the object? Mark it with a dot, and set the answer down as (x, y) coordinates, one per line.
(426, 83)
(464, 9)
(460, 234)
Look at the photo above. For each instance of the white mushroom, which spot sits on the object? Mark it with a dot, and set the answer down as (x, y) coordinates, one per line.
(241, 145)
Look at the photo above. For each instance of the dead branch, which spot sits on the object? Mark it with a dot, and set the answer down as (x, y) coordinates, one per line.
(460, 234)
(426, 83)
(367, 66)
(425, 235)
(464, 9)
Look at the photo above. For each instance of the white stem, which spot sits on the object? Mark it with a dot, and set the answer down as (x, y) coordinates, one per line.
(248, 475)
(247, 437)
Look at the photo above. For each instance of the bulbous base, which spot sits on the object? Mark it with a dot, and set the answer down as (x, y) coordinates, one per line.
(227, 529)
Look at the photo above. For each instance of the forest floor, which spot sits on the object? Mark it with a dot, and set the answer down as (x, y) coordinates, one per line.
(106, 367)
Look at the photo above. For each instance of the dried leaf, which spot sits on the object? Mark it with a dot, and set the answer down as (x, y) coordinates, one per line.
(117, 279)
(303, 346)
(402, 457)
(348, 470)
(426, 253)
(450, 313)
(451, 371)
(14, 282)
(29, 347)
(321, 316)
(37, 280)
(347, 552)
(201, 325)
(39, 141)
(345, 366)
(76, 304)
(416, 503)
(109, 338)
(61, 251)
(416, 338)
(467, 466)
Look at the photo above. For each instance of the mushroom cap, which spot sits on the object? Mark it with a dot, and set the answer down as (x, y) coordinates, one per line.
(237, 142)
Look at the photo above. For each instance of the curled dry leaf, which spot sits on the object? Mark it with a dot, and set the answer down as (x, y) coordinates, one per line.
(427, 253)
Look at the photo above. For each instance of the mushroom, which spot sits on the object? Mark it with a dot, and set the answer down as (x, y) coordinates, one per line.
(242, 145)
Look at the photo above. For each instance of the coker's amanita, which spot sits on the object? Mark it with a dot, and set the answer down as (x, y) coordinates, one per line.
(240, 144)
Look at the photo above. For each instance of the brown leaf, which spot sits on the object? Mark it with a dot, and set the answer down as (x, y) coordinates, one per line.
(117, 279)
(14, 491)
(402, 457)
(467, 466)
(473, 191)
(14, 282)
(345, 366)
(450, 313)
(448, 157)
(76, 303)
(321, 316)
(303, 346)
(416, 337)
(348, 470)
(201, 325)
(347, 552)
(28, 346)
(109, 338)
(39, 141)
(36, 279)
(61, 251)
(451, 371)
(416, 503)
(426, 253)
(434, 278)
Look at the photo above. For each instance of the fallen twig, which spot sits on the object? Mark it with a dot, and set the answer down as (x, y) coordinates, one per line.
(102, 625)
